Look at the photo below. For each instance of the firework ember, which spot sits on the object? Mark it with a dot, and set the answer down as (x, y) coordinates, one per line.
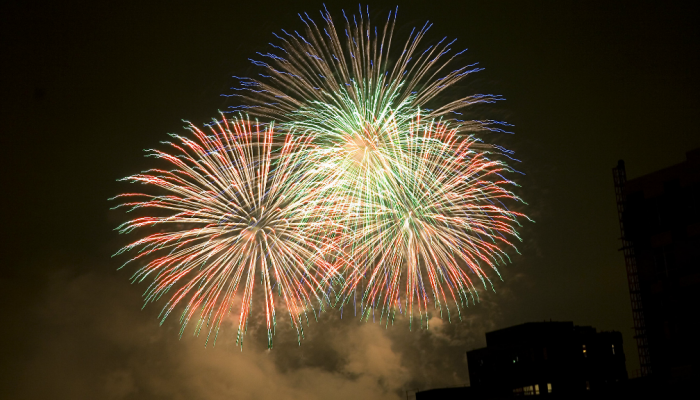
(365, 185)
(232, 212)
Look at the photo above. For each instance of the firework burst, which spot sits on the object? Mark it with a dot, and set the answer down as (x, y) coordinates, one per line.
(431, 222)
(234, 213)
(359, 72)
(421, 199)
(372, 185)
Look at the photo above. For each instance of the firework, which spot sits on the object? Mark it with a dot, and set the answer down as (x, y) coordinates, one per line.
(372, 185)
(231, 212)
(359, 72)
(428, 218)
(419, 197)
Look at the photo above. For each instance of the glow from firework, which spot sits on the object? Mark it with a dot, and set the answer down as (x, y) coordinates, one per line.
(235, 212)
(421, 202)
(358, 70)
(431, 221)
(365, 190)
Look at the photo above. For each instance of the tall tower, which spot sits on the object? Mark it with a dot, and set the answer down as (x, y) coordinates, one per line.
(659, 215)
(640, 332)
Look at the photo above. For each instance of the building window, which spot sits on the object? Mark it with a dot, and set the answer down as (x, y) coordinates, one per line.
(588, 385)
(613, 349)
(532, 390)
(584, 351)
(527, 390)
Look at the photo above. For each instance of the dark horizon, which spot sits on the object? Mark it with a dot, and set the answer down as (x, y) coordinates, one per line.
(87, 86)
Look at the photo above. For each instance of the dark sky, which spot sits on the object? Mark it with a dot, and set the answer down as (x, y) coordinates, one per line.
(87, 85)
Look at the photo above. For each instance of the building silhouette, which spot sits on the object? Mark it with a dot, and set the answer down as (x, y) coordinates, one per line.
(659, 216)
(549, 359)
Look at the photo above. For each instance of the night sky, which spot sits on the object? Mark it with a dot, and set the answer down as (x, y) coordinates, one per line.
(86, 86)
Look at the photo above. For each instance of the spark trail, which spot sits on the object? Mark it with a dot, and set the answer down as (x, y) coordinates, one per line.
(367, 184)
(232, 211)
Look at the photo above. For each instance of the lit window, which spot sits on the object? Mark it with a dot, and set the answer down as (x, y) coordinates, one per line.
(529, 390)
(588, 385)
(549, 388)
(537, 389)
(613, 348)
(584, 351)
